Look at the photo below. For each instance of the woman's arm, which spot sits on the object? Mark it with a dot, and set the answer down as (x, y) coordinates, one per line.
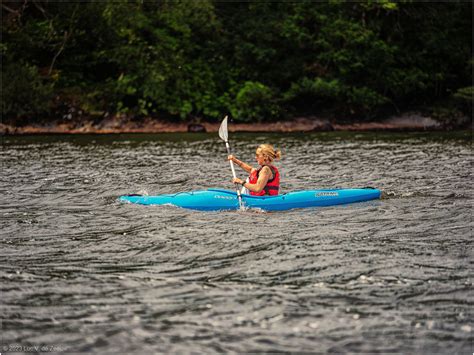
(240, 163)
(263, 177)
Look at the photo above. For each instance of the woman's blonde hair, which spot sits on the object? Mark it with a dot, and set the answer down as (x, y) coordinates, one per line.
(268, 152)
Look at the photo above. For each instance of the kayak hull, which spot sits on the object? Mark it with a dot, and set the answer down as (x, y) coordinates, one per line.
(221, 200)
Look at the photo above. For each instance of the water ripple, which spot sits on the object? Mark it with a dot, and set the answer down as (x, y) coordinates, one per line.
(84, 272)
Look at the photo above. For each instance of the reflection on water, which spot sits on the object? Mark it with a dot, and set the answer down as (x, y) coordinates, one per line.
(82, 272)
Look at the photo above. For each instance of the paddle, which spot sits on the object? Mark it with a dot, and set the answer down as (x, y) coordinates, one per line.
(225, 137)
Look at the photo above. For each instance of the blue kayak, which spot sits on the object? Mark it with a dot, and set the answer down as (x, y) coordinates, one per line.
(220, 200)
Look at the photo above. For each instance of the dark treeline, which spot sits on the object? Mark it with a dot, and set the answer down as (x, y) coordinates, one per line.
(255, 60)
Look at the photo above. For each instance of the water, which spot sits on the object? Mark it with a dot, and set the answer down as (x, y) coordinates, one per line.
(82, 272)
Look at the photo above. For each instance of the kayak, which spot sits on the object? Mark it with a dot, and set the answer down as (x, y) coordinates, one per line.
(221, 200)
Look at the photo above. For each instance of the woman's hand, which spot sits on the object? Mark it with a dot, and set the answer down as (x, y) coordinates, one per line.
(237, 181)
(231, 157)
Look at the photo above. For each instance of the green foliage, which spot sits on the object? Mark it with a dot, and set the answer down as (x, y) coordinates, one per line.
(23, 91)
(160, 63)
(255, 102)
(465, 95)
(307, 90)
(253, 59)
(465, 99)
(309, 95)
(318, 88)
(320, 92)
(364, 101)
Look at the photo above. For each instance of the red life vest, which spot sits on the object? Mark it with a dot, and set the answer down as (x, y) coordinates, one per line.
(272, 186)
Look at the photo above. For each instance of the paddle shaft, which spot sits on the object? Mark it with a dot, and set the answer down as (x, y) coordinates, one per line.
(223, 134)
(233, 172)
(230, 161)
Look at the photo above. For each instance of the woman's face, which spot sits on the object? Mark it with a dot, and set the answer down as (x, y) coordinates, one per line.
(260, 158)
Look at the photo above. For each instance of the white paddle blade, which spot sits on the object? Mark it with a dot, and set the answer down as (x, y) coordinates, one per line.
(223, 130)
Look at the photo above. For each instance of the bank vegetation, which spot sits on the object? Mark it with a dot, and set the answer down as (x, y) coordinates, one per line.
(262, 61)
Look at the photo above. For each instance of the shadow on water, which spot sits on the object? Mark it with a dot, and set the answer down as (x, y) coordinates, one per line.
(137, 138)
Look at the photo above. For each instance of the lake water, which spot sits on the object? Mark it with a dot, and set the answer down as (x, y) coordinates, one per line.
(82, 272)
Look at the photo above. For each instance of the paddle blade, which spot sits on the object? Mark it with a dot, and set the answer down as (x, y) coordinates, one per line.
(223, 130)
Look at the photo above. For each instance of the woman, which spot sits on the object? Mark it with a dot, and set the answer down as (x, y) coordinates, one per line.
(266, 179)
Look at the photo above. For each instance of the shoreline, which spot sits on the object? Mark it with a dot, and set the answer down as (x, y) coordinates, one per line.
(118, 125)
